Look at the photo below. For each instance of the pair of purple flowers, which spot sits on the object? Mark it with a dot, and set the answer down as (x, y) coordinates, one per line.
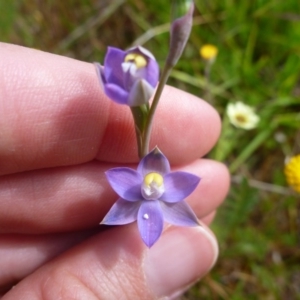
(151, 194)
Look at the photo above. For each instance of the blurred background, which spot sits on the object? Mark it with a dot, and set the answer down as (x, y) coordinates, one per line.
(253, 58)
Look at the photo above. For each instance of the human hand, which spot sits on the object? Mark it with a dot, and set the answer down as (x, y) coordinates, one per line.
(58, 134)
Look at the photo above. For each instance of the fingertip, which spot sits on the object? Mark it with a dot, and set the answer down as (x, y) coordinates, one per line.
(213, 187)
(186, 127)
(208, 219)
(182, 256)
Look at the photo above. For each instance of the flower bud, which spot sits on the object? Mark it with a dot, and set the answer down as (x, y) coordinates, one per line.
(182, 15)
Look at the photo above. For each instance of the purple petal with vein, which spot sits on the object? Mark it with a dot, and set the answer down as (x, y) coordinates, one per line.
(115, 93)
(122, 212)
(179, 214)
(113, 66)
(178, 185)
(126, 183)
(150, 74)
(154, 161)
(150, 221)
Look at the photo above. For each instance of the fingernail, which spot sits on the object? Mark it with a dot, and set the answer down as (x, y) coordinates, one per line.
(179, 258)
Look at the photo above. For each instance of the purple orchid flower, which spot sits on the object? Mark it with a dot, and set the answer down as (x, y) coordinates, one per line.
(128, 77)
(151, 195)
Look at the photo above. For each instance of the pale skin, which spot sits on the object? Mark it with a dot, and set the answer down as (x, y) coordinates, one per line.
(58, 135)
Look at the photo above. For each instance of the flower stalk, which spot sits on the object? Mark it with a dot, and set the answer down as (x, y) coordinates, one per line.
(140, 115)
(148, 127)
(208, 53)
(182, 16)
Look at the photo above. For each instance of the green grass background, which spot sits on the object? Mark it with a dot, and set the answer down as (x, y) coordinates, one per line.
(259, 64)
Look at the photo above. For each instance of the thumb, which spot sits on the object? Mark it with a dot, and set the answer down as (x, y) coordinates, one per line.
(115, 264)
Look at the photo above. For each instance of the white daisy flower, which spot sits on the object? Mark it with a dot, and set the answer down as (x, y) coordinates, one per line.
(242, 115)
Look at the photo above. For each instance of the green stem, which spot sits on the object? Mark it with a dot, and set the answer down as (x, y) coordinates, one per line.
(147, 132)
(140, 114)
(253, 145)
(207, 92)
(139, 141)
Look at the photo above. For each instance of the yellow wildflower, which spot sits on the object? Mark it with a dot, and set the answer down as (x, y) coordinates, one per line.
(292, 172)
(208, 52)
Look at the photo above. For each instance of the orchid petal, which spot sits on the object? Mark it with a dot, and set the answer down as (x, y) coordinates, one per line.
(154, 161)
(126, 183)
(150, 221)
(150, 73)
(178, 185)
(116, 93)
(129, 75)
(122, 212)
(143, 51)
(113, 65)
(140, 93)
(179, 214)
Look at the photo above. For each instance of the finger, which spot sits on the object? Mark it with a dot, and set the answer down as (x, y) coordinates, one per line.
(207, 220)
(20, 255)
(213, 186)
(185, 128)
(115, 264)
(78, 197)
(52, 200)
(53, 113)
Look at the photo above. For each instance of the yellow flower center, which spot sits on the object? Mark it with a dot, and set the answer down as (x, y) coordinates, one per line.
(208, 52)
(292, 173)
(153, 186)
(153, 179)
(241, 118)
(139, 60)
